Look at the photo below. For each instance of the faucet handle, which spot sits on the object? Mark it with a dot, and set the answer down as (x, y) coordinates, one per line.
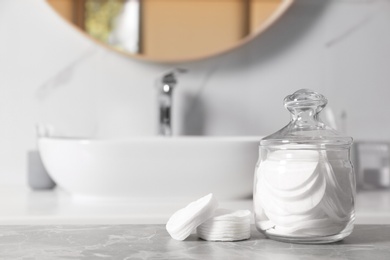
(170, 77)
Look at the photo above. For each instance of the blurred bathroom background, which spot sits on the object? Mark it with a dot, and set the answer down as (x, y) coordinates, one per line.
(51, 73)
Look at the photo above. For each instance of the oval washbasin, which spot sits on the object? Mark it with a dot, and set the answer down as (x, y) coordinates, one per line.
(157, 167)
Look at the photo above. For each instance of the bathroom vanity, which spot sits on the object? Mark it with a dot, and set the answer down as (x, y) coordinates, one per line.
(153, 242)
(53, 225)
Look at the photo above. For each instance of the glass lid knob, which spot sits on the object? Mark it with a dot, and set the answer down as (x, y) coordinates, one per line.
(305, 103)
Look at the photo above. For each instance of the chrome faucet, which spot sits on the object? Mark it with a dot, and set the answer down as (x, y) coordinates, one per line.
(166, 86)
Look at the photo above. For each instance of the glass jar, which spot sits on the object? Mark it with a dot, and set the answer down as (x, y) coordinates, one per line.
(304, 187)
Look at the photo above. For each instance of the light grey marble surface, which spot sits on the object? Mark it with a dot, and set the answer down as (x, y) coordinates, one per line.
(153, 242)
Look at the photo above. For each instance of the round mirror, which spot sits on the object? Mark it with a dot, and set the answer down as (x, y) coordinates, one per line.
(171, 30)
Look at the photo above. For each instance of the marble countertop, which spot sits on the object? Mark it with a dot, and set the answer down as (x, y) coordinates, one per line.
(153, 242)
(23, 206)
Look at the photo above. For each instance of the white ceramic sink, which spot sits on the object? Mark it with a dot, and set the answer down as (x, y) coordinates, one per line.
(157, 167)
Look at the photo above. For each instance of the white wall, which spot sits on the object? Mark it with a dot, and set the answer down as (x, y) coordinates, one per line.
(51, 73)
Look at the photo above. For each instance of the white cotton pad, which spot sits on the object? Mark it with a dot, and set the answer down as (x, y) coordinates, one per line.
(223, 228)
(181, 224)
(286, 174)
(296, 193)
(295, 204)
(226, 225)
(266, 224)
(225, 237)
(291, 220)
(322, 227)
(227, 214)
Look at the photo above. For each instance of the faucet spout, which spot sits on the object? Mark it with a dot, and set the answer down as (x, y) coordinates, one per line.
(166, 87)
(165, 105)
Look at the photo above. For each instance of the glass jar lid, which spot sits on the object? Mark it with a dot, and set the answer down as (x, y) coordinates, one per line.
(306, 130)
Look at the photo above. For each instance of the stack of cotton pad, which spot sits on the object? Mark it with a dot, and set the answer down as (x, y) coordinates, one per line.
(211, 223)
(183, 222)
(226, 225)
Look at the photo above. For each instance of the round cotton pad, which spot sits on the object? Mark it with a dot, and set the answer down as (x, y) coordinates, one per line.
(181, 224)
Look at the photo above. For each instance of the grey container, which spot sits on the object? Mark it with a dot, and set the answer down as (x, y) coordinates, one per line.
(37, 176)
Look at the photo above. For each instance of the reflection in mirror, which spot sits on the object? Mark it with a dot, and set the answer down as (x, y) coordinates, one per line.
(171, 29)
